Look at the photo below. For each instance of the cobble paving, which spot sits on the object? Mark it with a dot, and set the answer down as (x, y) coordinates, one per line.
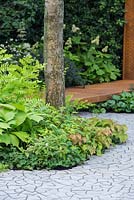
(109, 177)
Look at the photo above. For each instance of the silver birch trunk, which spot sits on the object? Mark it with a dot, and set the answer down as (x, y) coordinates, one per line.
(53, 52)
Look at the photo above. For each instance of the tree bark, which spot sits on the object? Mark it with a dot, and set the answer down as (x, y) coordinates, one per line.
(53, 52)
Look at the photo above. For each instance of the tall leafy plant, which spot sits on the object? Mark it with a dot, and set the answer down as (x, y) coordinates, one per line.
(16, 124)
(18, 79)
(95, 64)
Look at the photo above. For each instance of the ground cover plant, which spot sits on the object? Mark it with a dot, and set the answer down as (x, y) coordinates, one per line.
(119, 103)
(123, 102)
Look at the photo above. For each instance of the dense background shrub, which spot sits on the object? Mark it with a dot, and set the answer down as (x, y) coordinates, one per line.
(99, 17)
(21, 20)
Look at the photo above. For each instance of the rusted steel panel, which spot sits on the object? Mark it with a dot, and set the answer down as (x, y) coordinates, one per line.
(99, 92)
(128, 51)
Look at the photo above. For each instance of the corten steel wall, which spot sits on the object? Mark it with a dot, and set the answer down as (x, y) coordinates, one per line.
(128, 52)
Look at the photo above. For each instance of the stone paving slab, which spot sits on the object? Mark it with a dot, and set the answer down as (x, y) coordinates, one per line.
(109, 177)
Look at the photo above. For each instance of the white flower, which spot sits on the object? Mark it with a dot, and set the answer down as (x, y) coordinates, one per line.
(64, 26)
(26, 45)
(96, 40)
(2, 45)
(105, 49)
(75, 28)
(69, 42)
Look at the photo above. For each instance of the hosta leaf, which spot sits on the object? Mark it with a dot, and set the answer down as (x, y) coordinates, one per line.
(9, 116)
(20, 118)
(23, 136)
(9, 139)
(5, 138)
(1, 131)
(12, 122)
(100, 72)
(35, 117)
(113, 76)
(14, 140)
(20, 107)
(8, 106)
(4, 125)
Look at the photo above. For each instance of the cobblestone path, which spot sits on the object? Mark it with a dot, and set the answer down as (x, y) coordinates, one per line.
(110, 177)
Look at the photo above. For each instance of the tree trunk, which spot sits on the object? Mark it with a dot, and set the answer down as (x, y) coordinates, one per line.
(53, 52)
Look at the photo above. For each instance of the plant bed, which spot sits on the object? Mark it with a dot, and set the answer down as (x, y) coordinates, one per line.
(48, 138)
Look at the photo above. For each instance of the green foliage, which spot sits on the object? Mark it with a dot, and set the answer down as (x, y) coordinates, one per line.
(100, 17)
(23, 20)
(94, 65)
(123, 102)
(18, 79)
(60, 140)
(99, 67)
(3, 167)
(120, 103)
(16, 124)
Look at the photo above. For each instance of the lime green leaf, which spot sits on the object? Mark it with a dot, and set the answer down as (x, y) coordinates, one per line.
(20, 118)
(1, 131)
(14, 140)
(9, 139)
(23, 136)
(100, 72)
(9, 115)
(4, 125)
(4, 138)
(8, 106)
(35, 117)
(20, 107)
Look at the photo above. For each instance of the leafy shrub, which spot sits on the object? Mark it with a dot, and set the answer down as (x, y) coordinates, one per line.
(23, 20)
(18, 79)
(16, 124)
(94, 65)
(100, 17)
(61, 140)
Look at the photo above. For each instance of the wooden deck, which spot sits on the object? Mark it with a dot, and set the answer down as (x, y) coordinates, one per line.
(99, 92)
